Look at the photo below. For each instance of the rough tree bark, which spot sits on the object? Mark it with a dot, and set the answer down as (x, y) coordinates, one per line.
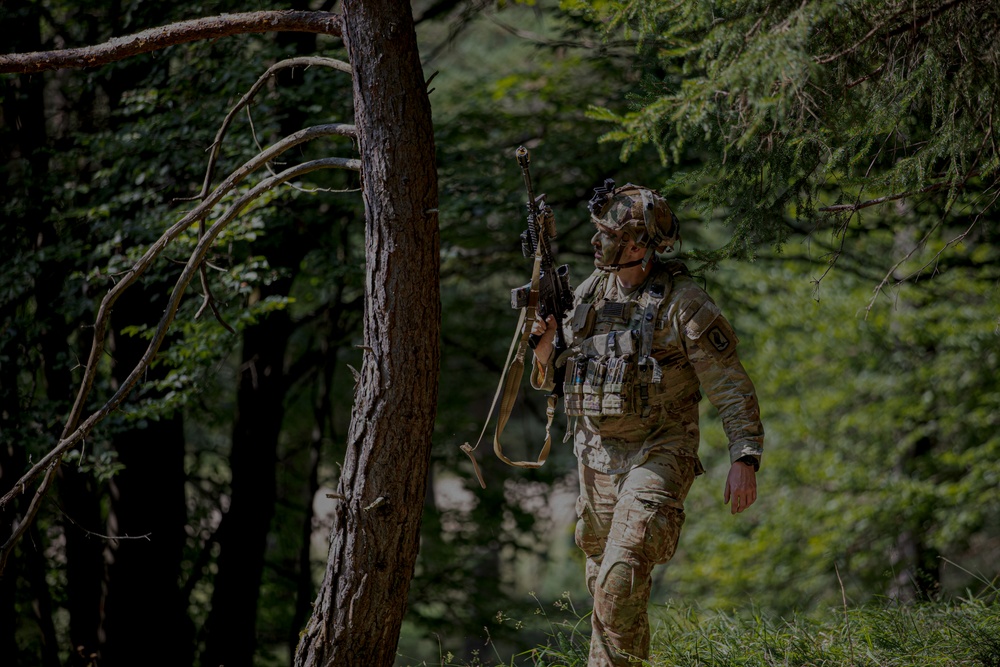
(362, 600)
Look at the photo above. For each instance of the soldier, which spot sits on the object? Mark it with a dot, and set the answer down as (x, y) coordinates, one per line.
(644, 340)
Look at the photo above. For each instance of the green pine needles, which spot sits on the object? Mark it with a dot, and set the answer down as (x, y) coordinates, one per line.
(799, 116)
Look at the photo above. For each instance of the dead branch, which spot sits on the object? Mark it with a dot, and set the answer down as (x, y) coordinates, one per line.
(53, 458)
(29, 515)
(305, 61)
(72, 433)
(923, 242)
(208, 301)
(198, 213)
(154, 39)
(245, 100)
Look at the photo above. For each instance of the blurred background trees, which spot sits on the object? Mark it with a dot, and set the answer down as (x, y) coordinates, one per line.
(786, 134)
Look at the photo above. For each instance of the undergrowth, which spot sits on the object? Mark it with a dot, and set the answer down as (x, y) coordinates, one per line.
(959, 633)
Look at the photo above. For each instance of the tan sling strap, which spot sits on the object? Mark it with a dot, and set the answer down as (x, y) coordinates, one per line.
(510, 382)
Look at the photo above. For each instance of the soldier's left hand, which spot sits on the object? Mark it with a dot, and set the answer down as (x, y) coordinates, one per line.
(741, 487)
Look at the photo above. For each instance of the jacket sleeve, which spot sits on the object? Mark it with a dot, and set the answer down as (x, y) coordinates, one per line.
(711, 349)
(542, 376)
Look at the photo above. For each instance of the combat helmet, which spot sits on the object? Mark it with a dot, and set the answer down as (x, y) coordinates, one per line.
(641, 211)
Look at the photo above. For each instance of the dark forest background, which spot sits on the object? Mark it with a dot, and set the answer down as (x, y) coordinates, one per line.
(836, 193)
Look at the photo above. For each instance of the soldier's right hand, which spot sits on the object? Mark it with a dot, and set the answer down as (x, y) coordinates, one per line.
(546, 332)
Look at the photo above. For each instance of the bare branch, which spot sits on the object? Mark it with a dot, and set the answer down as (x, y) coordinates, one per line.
(198, 213)
(920, 244)
(245, 100)
(154, 39)
(51, 460)
(29, 516)
(209, 301)
(305, 61)
(72, 433)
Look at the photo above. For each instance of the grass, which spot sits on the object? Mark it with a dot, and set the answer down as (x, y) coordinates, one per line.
(965, 633)
(962, 633)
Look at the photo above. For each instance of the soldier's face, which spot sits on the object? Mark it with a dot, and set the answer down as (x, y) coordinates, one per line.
(606, 242)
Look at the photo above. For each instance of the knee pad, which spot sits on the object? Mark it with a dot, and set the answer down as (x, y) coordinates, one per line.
(623, 573)
(663, 533)
(621, 596)
(619, 580)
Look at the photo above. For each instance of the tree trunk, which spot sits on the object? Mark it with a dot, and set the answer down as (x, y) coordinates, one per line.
(916, 566)
(45, 332)
(230, 630)
(148, 512)
(376, 529)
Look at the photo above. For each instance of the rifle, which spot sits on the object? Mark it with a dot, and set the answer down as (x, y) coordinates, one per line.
(553, 295)
(548, 293)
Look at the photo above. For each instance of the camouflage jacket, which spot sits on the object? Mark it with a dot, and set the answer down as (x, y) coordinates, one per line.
(673, 343)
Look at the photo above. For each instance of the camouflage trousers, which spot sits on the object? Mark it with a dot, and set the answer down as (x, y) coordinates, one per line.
(627, 524)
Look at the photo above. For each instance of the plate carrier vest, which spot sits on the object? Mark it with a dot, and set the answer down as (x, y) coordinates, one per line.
(610, 370)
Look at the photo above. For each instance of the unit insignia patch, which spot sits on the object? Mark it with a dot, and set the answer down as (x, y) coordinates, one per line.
(718, 339)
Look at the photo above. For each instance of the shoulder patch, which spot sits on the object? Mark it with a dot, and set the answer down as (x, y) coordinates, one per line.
(718, 339)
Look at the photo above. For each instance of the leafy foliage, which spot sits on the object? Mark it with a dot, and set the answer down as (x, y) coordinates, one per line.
(877, 434)
(767, 126)
(800, 115)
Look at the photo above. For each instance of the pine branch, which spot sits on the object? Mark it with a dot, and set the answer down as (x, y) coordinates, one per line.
(843, 208)
(906, 25)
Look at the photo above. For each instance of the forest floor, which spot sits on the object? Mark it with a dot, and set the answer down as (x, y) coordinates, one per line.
(960, 633)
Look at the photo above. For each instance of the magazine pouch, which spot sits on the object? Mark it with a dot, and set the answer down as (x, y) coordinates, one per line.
(619, 387)
(593, 386)
(576, 374)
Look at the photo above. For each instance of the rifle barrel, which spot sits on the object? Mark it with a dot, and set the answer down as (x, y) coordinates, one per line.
(524, 160)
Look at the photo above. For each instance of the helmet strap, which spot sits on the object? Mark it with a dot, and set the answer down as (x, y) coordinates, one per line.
(650, 251)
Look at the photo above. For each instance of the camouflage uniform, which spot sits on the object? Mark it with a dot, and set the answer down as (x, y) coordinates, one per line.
(637, 466)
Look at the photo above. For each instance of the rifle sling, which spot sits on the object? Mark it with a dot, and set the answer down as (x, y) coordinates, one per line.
(510, 381)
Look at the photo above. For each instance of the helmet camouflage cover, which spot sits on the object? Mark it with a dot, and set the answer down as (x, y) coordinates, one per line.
(639, 210)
